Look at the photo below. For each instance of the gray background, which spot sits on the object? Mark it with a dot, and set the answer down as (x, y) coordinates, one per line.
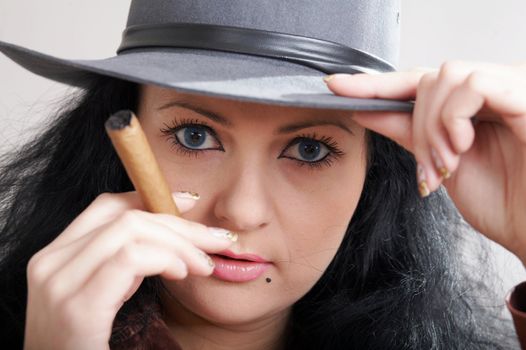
(433, 31)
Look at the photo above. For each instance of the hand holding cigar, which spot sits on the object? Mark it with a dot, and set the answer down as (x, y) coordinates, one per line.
(138, 159)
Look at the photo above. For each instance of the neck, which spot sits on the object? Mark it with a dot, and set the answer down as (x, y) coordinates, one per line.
(194, 332)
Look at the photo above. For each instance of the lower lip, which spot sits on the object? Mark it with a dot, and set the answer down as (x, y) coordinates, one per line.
(237, 270)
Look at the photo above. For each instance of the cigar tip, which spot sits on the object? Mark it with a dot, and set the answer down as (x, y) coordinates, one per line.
(119, 120)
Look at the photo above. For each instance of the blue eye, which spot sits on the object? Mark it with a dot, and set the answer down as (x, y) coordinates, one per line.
(307, 150)
(193, 138)
(196, 137)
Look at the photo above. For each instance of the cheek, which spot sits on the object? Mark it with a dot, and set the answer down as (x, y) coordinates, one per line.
(317, 225)
(315, 232)
(183, 172)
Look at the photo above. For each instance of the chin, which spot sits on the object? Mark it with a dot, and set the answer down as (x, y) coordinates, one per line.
(227, 302)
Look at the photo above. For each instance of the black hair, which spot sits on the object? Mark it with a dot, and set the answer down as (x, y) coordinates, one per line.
(399, 279)
(396, 281)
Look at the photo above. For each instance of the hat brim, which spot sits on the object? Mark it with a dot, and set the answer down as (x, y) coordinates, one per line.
(213, 73)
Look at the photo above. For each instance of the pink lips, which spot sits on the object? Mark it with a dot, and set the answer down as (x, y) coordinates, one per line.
(240, 268)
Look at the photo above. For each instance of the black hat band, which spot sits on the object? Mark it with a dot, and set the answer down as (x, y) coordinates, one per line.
(326, 56)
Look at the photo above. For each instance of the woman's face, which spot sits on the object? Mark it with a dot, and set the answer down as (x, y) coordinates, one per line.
(287, 180)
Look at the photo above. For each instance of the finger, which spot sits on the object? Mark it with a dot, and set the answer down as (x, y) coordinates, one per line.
(130, 229)
(208, 239)
(117, 279)
(428, 180)
(395, 125)
(434, 141)
(393, 85)
(501, 92)
(440, 150)
(126, 270)
(444, 159)
(107, 206)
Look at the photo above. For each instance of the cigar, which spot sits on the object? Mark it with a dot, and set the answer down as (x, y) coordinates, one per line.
(135, 153)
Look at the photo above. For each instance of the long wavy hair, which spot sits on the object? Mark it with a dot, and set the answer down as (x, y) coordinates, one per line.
(396, 282)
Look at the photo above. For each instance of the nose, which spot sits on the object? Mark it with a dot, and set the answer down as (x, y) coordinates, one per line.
(243, 204)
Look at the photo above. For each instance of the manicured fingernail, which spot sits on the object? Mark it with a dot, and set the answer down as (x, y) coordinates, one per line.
(328, 78)
(422, 183)
(187, 194)
(208, 259)
(441, 168)
(222, 233)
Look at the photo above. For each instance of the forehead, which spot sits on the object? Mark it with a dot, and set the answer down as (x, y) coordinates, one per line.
(154, 97)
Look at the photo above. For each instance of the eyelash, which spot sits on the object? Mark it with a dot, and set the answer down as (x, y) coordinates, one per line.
(170, 131)
(335, 152)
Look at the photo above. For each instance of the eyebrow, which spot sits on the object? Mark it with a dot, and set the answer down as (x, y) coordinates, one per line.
(310, 123)
(286, 129)
(208, 114)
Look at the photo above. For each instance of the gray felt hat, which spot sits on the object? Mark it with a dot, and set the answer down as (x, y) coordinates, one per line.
(269, 51)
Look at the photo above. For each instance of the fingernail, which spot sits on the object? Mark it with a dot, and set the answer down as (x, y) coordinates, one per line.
(187, 194)
(422, 183)
(441, 168)
(328, 78)
(222, 233)
(208, 259)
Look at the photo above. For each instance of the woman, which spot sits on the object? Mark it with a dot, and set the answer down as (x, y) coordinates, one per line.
(349, 255)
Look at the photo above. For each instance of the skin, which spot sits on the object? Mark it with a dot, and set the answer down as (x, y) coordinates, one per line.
(78, 282)
(486, 161)
(248, 189)
(251, 182)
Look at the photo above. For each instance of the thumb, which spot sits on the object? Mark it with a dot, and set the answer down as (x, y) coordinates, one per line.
(394, 125)
(185, 200)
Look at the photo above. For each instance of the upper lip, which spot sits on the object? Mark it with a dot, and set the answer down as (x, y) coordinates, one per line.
(250, 257)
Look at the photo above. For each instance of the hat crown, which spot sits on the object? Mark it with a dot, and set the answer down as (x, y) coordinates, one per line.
(368, 25)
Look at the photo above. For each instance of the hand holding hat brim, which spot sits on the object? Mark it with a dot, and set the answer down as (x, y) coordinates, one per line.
(481, 161)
